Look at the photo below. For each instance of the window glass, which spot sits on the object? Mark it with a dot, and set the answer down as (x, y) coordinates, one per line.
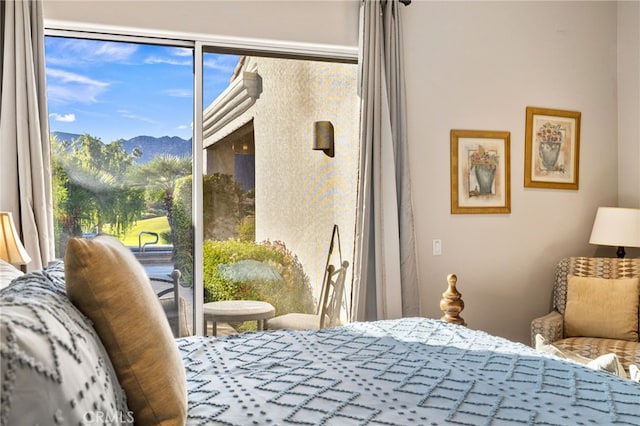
(120, 119)
(270, 200)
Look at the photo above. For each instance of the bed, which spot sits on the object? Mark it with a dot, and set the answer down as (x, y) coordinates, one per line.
(56, 370)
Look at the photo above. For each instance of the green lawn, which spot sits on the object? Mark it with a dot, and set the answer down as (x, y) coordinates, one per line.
(156, 224)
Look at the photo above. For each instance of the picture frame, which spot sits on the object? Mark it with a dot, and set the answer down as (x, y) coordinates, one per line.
(480, 172)
(552, 148)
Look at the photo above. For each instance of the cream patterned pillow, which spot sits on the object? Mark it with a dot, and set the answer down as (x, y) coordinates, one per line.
(599, 307)
(8, 272)
(634, 373)
(106, 282)
(55, 370)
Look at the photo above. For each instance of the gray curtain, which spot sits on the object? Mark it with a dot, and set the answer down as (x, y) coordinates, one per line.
(385, 273)
(24, 133)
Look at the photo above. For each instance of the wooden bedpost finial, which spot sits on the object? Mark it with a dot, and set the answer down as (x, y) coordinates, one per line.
(451, 303)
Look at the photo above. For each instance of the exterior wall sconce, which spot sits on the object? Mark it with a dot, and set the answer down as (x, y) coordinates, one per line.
(323, 137)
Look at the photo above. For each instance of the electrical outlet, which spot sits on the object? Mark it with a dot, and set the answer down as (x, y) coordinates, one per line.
(437, 247)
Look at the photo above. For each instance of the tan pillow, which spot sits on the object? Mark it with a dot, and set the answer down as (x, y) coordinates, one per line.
(106, 282)
(599, 307)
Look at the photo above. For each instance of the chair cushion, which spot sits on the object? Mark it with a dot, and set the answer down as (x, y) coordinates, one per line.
(608, 362)
(599, 307)
(106, 282)
(294, 321)
(592, 347)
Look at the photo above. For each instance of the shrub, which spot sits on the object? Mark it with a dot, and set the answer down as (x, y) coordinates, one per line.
(183, 228)
(247, 229)
(291, 294)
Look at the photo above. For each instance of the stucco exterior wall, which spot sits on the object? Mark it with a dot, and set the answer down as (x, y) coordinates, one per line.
(301, 193)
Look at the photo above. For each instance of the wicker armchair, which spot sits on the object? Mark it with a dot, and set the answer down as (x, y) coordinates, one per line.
(551, 326)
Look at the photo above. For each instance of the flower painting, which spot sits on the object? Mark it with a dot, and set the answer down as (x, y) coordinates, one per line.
(483, 165)
(480, 172)
(552, 148)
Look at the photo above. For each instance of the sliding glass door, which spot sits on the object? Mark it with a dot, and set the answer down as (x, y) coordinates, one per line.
(133, 121)
(121, 138)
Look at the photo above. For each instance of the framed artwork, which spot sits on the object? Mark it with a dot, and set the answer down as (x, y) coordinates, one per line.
(551, 148)
(480, 172)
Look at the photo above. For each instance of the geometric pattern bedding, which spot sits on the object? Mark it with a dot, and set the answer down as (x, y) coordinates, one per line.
(54, 369)
(397, 372)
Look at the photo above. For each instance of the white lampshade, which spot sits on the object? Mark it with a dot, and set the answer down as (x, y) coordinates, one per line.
(618, 227)
(11, 249)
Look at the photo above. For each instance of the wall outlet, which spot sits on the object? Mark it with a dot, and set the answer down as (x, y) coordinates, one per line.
(437, 247)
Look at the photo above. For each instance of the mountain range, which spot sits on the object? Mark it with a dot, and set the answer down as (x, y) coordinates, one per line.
(149, 146)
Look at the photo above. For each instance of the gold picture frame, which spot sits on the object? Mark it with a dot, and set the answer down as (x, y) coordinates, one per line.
(552, 148)
(480, 172)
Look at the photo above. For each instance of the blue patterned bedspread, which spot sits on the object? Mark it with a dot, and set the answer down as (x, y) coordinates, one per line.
(411, 371)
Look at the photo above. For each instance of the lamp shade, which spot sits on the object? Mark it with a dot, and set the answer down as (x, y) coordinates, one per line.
(11, 249)
(616, 226)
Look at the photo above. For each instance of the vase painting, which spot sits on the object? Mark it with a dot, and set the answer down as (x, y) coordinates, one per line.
(485, 176)
(549, 152)
(484, 163)
(550, 137)
(552, 148)
(480, 172)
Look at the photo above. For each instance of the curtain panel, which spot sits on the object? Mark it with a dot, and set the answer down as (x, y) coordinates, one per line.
(385, 271)
(24, 133)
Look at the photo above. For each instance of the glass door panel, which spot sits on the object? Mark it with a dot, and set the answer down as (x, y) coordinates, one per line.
(269, 200)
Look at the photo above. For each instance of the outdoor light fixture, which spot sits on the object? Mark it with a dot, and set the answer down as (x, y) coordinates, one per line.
(323, 137)
(618, 227)
(11, 249)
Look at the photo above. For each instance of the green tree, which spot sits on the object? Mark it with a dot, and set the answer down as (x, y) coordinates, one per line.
(159, 176)
(92, 187)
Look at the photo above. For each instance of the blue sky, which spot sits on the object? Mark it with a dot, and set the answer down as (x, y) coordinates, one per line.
(115, 90)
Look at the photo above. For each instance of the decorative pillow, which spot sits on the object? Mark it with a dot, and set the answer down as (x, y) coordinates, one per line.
(599, 307)
(7, 273)
(55, 370)
(607, 362)
(106, 282)
(634, 373)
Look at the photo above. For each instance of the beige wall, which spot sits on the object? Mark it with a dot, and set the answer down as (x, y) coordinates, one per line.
(629, 104)
(474, 65)
(323, 22)
(478, 65)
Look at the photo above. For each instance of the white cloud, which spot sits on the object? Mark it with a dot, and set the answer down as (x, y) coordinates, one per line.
(114, 52)
(169, 61)
(220, 63)
(72, 52)
(70, 77)
(66, 86)
(179, 93)
(180, 56)
(127, 114)
(183, 127)
(181, 51)
(66, 118)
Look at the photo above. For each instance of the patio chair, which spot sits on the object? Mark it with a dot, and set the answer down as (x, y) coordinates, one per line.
(174, 305)
(328, 312)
